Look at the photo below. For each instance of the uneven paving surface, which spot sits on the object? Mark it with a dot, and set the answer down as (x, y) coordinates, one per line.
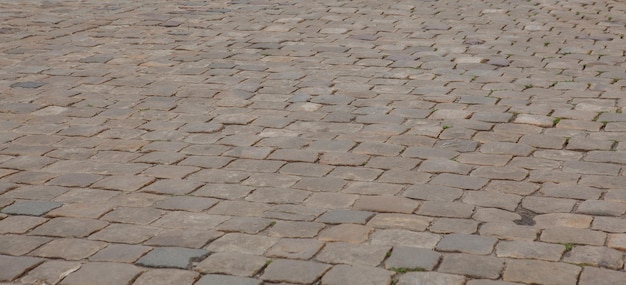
(313, 142)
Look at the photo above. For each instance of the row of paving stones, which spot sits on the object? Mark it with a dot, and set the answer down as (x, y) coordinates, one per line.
(288, 239)
(353, 260)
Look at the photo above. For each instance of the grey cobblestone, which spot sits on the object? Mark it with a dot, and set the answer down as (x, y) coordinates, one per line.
(535, 271)
(294, 271)
(356, 274)
(487, 267)
(31, 208)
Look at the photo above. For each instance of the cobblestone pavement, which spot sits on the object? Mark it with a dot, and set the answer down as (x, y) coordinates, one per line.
(313, 142)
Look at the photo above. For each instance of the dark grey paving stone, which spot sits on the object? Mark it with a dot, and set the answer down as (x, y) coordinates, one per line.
(31, 208)
(28, 84)
(172, 257)
(212, 279)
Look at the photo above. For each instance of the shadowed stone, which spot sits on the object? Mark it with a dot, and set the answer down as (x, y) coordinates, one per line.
(11, 266)
(294, 271)
(433, 278)
(31, 208)
(174, 257)
(28, 84)
(212, 279)
(356, 275)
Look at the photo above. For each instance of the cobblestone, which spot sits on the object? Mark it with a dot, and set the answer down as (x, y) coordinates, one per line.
(227, 280)
(99, 273)
(471, 265)
(595, 256)
(412, 258)
(355, 274)
(16, 245)
(530, 250)
(232, 264)
(530, 271)
(431, 278)
(466, 244)
(483, 141)
(120, 253)
(14, 266)
(31, 208)
(51, 271)
(173, 257)
(348, 253)
(166, 276)
(69, 227)
(294, 271)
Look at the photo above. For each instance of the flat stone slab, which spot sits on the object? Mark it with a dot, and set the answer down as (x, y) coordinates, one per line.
(31, 208)
(294, 271)
(172, 257)
(28, 84)
(102, 273)
(211, 279)
(412, 258)
(356, 275)
(12, 267)
(413, 278)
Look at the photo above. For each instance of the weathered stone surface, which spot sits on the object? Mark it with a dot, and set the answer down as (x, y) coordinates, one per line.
(294, 271)
(125, 233)
(232, 264)
(475, 266)
(599, 276)
(344, 216)
(311, 123)
(17, 245)
(605, 224)
(51, 271)
(242, 243)
(573, 235)
(120, 253)
(346, 233)
(210, 279)
(431, 278)
(187, 238)
(289, 229)
(295, 248)
(509, 231)
(446, 209)
(617, 241)
(356, 274)
(69, 249)
(100, 273)
(530, 250)
(601, 208)
(12, 267)
(541, 272)
(412, 258)
(492, 200)
(433, 193)
(399, 237)
(347, 253)
(390, 220)
(465, 243)
(386, 204)
(173, 257)
(446, 225)
(31, 208)
(596, 256)
(166, 276)
(562, 220)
